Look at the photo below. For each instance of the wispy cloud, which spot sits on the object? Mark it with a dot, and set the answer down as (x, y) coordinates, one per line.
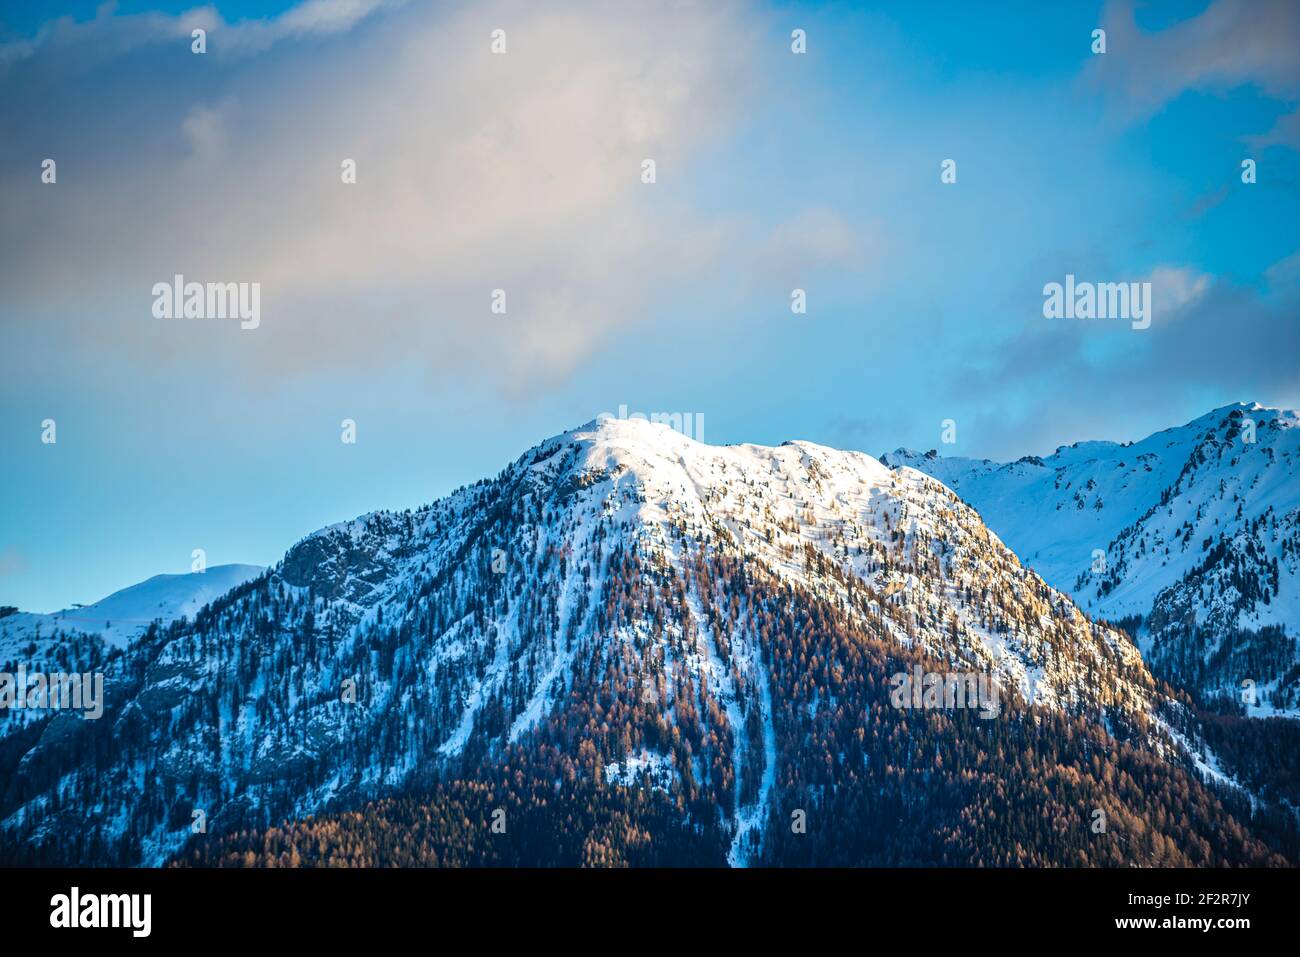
(1207, 337)
(1284, 132)
(1174, 288)
(1230, 44)
(109, 34)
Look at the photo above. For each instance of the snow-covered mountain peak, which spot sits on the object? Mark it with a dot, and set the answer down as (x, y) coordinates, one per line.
(128, 612)
(1191, 536)
(839, 524)
(616, 572)
(647, 448)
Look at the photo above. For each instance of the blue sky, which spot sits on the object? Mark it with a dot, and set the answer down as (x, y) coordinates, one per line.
(775, 171)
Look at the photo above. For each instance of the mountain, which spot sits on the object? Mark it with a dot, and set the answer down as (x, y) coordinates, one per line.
(1189, 538)
(632, 648)
(127, 613)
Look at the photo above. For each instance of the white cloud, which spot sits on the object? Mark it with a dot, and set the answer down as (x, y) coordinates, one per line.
(475, 172)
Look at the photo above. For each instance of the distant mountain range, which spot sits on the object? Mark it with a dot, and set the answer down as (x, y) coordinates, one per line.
(125, 614)
(1190, 538)
(632, 648)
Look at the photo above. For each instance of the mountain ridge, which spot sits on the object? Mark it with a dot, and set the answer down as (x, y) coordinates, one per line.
(126, 613)
(1190, 537)
(628, 609)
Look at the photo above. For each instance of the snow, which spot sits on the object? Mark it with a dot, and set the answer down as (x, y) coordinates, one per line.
(649, 766)
(1205, 761)
(126, 614)
(657, 491)
(1149, 509)
(1035, 508)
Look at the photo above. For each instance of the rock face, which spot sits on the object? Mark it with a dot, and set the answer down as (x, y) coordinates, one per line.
(620, 607)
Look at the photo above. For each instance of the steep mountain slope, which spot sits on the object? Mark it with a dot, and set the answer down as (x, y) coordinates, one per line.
(1190, 538)
(626, 611)
(85, 639)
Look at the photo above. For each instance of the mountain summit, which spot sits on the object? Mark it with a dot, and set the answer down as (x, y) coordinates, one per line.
(696, 650)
